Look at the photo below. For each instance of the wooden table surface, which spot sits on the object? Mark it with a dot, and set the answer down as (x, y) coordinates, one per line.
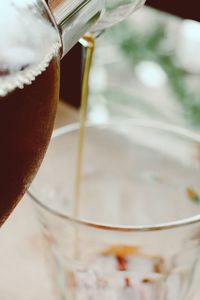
(23, 271)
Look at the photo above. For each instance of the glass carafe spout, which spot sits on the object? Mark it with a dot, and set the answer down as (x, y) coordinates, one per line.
(76, 17)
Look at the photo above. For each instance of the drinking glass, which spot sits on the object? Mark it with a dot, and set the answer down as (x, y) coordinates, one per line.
(137, 232)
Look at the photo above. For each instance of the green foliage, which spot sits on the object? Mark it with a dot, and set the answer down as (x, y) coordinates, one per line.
(138, 46)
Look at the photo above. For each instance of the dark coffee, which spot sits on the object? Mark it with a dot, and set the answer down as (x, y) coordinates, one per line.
(26, 122)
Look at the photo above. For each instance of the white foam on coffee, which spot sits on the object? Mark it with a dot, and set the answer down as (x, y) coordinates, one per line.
(26, 39)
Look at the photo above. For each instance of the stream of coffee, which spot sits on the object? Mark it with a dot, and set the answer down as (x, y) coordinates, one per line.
(88, 43)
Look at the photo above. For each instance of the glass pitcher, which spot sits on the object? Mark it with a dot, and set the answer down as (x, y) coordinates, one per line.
(33, 39)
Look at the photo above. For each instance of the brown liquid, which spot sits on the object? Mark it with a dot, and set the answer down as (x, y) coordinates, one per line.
(121, 254)
(88, 43)
(26, 122)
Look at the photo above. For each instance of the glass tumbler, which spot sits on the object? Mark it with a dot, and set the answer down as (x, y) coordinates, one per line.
(137, 233)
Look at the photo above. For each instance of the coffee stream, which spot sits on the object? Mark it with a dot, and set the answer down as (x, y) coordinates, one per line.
(88, 43)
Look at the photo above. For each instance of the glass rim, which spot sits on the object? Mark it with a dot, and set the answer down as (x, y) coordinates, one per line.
(173, 129)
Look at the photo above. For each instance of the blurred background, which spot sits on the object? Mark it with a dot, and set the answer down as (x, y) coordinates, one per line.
(149, 67)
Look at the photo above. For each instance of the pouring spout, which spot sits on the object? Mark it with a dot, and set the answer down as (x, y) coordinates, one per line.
(75, 18)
